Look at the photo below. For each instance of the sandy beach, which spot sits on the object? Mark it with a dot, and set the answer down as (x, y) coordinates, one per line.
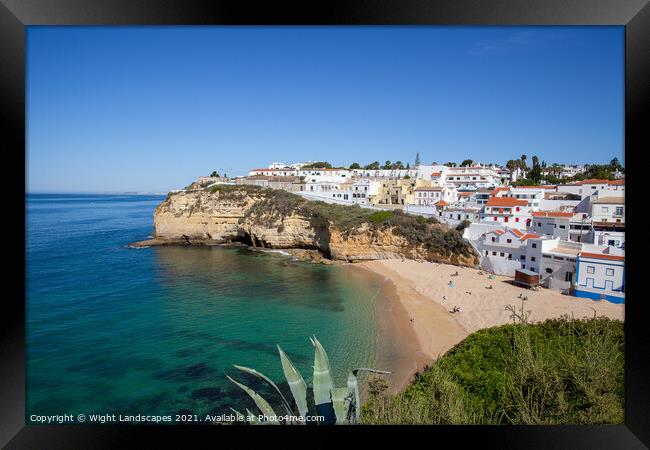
(426, 300)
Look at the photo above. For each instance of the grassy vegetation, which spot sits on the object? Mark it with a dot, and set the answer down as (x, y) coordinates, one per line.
(561, 371)
(274, 205)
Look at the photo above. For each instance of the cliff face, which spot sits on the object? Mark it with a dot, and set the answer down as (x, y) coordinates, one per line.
(223, 216)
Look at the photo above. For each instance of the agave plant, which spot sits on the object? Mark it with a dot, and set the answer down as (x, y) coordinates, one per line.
(335, 405)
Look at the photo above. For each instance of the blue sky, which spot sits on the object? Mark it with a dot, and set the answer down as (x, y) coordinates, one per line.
(153, 108)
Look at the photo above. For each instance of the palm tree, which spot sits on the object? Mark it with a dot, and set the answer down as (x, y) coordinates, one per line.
(522, 158)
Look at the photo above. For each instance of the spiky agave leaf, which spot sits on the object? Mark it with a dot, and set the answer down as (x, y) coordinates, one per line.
(254, 419)
(353, 389)
(262, 404)
(240, 416)
(268, 381)
(296, 383)
(341, 400)
(322, 383)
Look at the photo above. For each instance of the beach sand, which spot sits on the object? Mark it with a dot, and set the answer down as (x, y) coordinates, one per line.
(421, 293)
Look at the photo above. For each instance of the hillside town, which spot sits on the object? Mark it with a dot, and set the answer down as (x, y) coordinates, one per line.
(560, 226)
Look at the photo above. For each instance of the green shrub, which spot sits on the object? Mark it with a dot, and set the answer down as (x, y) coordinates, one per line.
(380, 216)
(560, 371)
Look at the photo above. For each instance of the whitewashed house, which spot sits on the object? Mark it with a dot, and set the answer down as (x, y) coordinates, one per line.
(509, 212)
(503, 250)
(552, 223)
(429, 196)
(608, 221)
(600, 275)
(555, 261)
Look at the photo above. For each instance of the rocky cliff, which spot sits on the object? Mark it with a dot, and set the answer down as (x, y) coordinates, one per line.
(276, 219)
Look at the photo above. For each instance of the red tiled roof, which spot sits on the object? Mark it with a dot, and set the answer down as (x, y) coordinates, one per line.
(592, 181)
(506, 201)
(552, 214)
(602, 256)
(497, 190)
(436, 174)
(617, 182)
(442, 203)
(516, 232)
(529, 235)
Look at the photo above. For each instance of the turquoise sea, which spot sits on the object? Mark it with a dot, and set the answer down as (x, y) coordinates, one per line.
(119, 330)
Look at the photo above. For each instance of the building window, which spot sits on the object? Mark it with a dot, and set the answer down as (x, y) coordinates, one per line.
(494, 239)
(532, 258)
(494, 253)
(534, 246)
(486, 253)
(549, 270)
(516, 219)
(609, 272)
(502, 254)
(590, 269)
(568, 276)
(509, 241)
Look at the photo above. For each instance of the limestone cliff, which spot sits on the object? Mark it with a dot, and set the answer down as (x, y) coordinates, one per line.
(238, 214)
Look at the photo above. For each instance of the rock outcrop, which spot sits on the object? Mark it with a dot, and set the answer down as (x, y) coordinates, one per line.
(223, 216)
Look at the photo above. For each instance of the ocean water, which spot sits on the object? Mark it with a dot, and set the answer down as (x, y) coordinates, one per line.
(118, 330)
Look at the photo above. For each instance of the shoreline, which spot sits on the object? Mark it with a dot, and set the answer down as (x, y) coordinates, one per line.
(422, 292)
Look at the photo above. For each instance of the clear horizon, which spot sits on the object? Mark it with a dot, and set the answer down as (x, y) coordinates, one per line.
(150, 109)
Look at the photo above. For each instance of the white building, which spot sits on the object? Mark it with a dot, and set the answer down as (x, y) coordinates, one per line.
(472, 177)
(594, 187)
(555, 261)
(509, 212)
(503, 250)
(608, 221)
(551, 223)
(600, 275)
(455, 215)
(429, 196)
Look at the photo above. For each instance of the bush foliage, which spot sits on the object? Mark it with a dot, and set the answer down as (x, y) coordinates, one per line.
(562, 371)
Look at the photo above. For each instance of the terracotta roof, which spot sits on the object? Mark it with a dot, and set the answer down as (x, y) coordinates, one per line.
(464, 194)
(499, 232)
(441, 203)
(592, 181)
(602, 256)
(617, 182)
(506, 201)
(497, 190)
(436, 174)
(552, 214)
(516, 232)
(529, 235)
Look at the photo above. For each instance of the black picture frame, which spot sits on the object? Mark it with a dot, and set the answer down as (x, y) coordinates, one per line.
(15, 15)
